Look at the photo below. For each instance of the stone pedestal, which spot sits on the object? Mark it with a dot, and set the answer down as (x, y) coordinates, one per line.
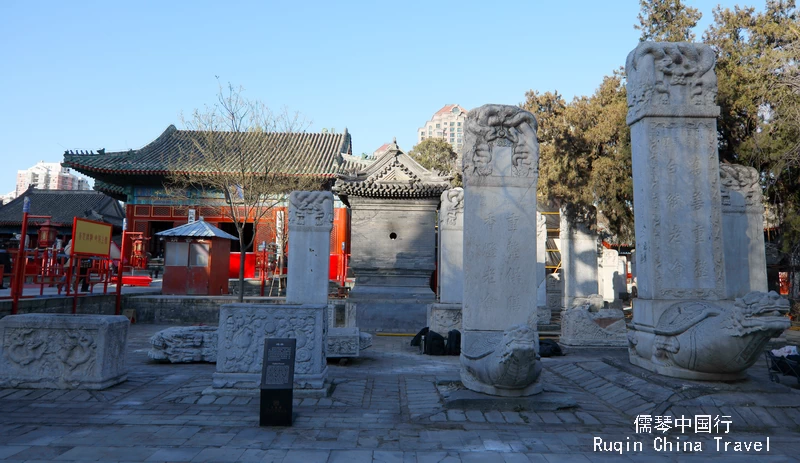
(500, 344)
(393, 258)
(683, 326)
(242, 331)
(393, 231)
(58, 351)
(742, 230)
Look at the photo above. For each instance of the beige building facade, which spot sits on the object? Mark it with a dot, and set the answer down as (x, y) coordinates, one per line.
(447, 124)
(49, 176)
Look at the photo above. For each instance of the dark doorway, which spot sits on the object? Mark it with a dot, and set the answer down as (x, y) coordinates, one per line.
(156, 243)
(230, 227)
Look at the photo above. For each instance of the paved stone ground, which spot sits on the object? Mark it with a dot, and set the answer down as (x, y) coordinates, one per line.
(388, 406)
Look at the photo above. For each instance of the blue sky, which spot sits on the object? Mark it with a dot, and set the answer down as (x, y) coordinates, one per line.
(114, 75)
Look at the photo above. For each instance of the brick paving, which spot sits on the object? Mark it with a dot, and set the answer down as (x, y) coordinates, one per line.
(389, 406)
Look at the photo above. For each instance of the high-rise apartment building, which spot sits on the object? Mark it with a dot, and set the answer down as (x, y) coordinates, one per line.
(448, 124)
(49, 176)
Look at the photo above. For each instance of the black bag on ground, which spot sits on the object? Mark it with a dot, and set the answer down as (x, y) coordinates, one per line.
(434, 343)
(453, 346)
(418, 338)
(549, 348)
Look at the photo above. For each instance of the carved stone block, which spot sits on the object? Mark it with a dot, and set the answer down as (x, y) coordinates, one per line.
(185, 344)
(343, 342)
(443, 318)
(364, 340)
(58, 351)
(585, 326)
(543, 316)
(708, 340)
(242, 330)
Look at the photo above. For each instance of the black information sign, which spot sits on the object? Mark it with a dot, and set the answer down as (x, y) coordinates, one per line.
(277, 382)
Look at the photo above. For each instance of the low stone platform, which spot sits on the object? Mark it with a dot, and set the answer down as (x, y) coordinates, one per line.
(388, 405)
(549, 400)
(59, 351)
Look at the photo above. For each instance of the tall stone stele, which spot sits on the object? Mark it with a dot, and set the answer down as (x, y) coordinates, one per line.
(743, 230)
(445, 315)
(685, 324)
(500, 343)
(244, 327)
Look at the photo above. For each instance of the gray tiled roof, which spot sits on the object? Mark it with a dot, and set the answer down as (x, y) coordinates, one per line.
(63, 206)
(197, 229)
(318, 154)
(394, 174)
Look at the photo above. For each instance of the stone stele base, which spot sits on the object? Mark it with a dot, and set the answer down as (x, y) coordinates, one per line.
(445, 317)
(473, 384)
(240, 349)
(442, 318)
(583, 327)
(705, 340)
(185, 344)
(60, 351)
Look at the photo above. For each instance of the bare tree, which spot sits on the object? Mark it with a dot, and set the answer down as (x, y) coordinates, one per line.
(236, 158)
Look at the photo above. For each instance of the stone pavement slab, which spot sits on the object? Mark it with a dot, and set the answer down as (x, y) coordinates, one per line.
(388, 406)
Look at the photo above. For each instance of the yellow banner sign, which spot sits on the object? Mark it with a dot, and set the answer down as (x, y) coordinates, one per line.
(89, 237)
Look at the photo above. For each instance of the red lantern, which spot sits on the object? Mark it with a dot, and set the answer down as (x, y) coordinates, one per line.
(47, 235)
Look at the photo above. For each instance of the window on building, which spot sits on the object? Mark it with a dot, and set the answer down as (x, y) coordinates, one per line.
(459, 124)
(198, 255)
(438, 126)
(459, 129)
(176, 254)
(452, 124)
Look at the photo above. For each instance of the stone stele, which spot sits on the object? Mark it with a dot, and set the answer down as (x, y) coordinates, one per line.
(500, 343)
(685, 324)
(59, 351)
(445, 315)
(578, 257)
(310, 224)
(743, 230)
(243, 328)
